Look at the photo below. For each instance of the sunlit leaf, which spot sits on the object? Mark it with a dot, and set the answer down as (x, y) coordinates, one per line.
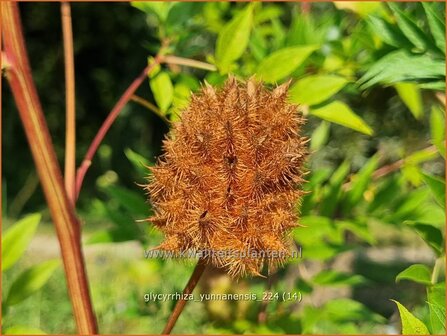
(340, 113)
(283, 62)
(437, 129)
(23, 330)
(320, 136)
(436, 301)
(17, 238)
(233, 39)
(411, 96)
(418, 273)
(30, 281)
(162, 90)
(362, 8)
(315, 227)
(411, 325)
(315, 89)
(159, 8)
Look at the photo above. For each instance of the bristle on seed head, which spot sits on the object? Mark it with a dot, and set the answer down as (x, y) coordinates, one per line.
(230, 177)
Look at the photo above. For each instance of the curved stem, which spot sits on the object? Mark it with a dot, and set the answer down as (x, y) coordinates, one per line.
(143, 102)
(195, 277)
(82, 170)
(70, 111)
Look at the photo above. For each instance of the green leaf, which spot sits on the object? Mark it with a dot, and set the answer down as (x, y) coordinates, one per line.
(320, 136)
(360, 182)
(436, 23)
(340, 113)
(315, 227)
(233, 39)
(180, 14)
(411, 325)
(349, 310)
(436, 301)
(23, 330)
(433, 85)
(115, 235)
(330, 202)
(437, 129)
(283, 62)
(315, 89)
(132, 201)
(388, 33)
(411, 96)
(159, 8)
(359, 229)
(437, 187)
(334, 278)
(437, 313)
(139, 162)
(418, 273)
(16, 239)
(409, 27)
(162, 90)
(431, 235)
(421, 156)
(30, 281)
(322, 251)
(362, 8)
(401, 66)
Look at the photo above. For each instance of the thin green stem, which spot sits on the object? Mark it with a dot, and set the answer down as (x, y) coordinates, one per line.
(143, 102)
(170, 59)
(436, 269)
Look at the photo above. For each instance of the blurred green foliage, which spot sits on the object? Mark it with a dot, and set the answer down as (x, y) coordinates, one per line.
(369, 76)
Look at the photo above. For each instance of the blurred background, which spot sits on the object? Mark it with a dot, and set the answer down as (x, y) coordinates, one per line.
(370, 77)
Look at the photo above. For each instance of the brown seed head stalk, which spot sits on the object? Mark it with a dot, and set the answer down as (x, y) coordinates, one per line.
(229, 179)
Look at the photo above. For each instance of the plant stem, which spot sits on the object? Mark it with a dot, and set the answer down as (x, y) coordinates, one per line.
(390, 168)
(169, 59)
(70, 109)
(195, 277)
(36, 130)
(436, 269)
(262, 315)
(82, 170)
(385, 170)
(150, 106)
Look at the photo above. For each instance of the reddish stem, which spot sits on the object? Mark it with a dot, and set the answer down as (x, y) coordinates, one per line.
(39, 139)
(82, 170)
(193, 280)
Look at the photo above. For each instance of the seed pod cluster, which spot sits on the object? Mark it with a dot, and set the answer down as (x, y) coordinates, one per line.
(229, 179)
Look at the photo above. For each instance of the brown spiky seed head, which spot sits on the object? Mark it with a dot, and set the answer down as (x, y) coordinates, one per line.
(229, 179)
